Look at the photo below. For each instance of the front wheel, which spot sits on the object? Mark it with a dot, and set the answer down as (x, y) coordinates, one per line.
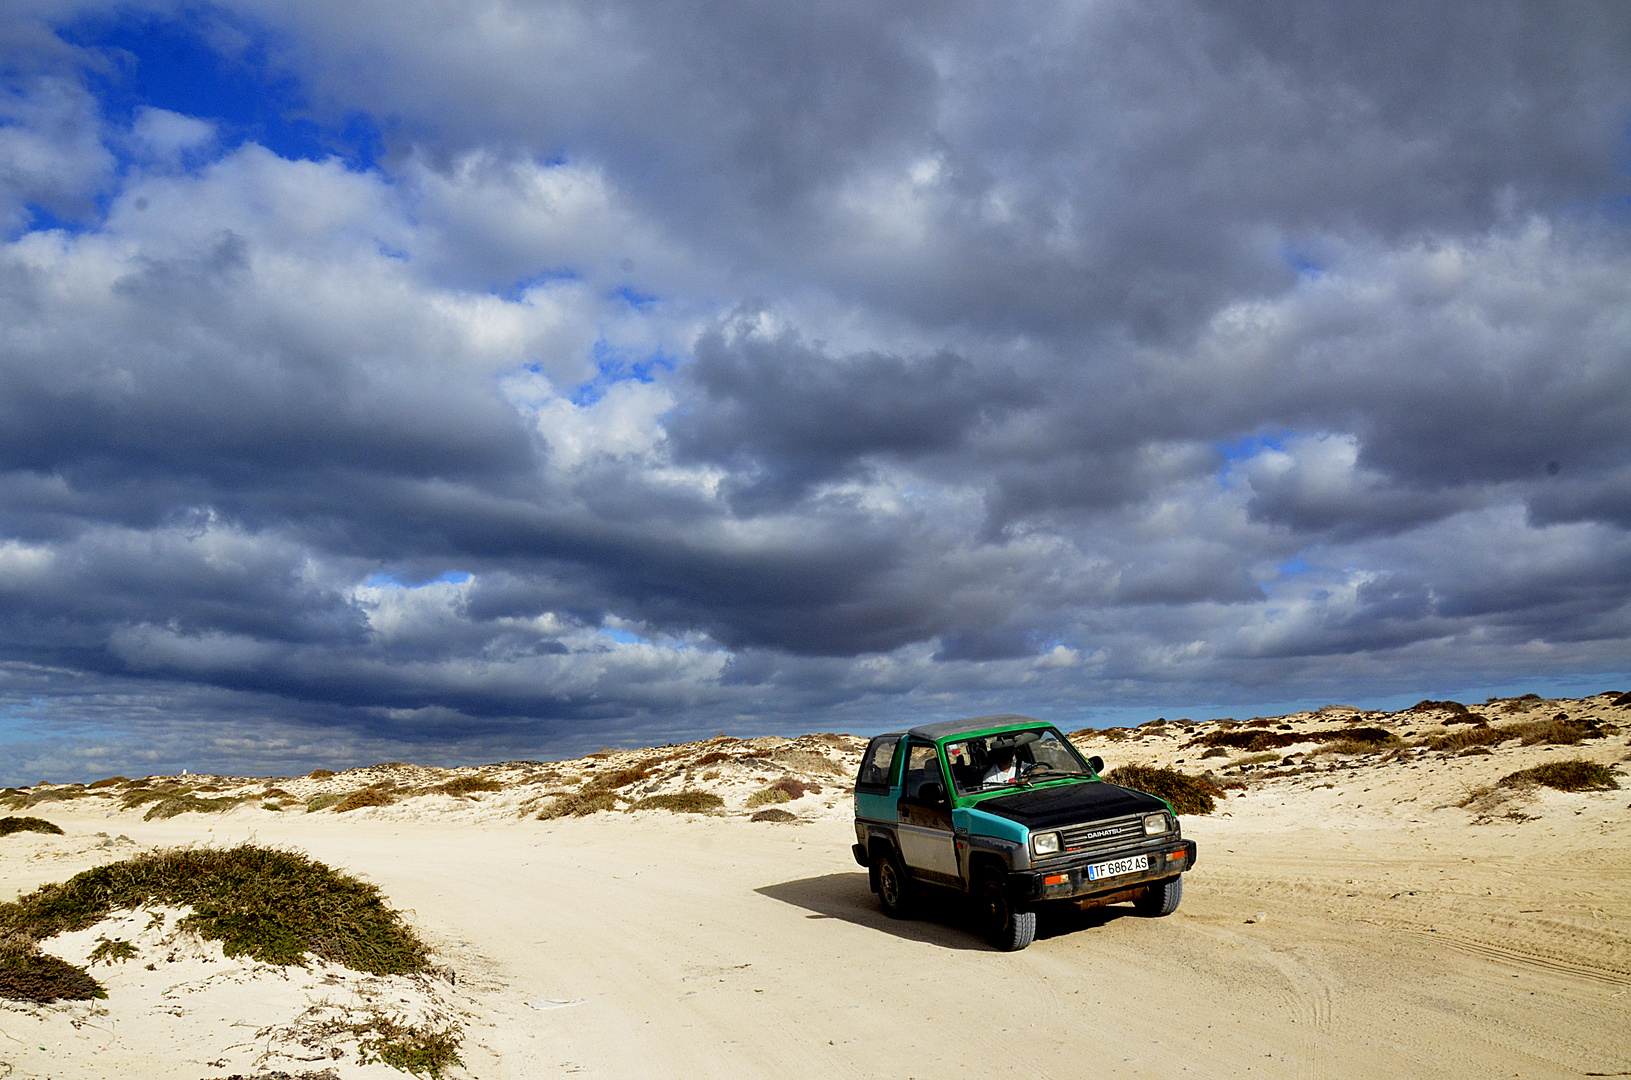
(1006, 926)
(894, 892)
(1160, 899)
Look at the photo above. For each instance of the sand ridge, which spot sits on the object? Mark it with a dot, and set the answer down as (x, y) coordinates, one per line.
(1348, 918)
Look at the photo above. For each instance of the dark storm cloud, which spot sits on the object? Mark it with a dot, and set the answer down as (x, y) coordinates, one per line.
(691, 365)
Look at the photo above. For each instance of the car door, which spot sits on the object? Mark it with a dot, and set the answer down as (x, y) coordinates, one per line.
(924, 817)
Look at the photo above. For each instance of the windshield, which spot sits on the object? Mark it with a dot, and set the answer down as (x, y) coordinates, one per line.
(1013, 757)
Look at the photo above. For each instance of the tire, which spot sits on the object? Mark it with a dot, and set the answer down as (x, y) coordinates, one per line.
(1162, 898)
(1008, 927)
(894, 887)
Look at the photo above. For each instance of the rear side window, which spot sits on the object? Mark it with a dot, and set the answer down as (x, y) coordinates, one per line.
(880, 756)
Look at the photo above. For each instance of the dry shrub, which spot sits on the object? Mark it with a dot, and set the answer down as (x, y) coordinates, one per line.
(55, 795)
(774, 814)
(683, 802)
(112, 781)
(320, 774)
(710, 758)
(1575, 775)
(368, 796)
(467, 785)
(1438, 706)
(1259, 722)
(1114, 734)
(9, 825)
(1485, 801)
(578, 804)
(188, 804)
(1187, 794)
(806, 761)
(323, 801)
(1558, 731)
(1255, 759)
(784, 790)
(1468, 737)
(1216, 751)
(1621, 700)
(1348, 746)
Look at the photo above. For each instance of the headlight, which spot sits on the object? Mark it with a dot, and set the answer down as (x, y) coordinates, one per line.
(1045, 843)
(1155, 824)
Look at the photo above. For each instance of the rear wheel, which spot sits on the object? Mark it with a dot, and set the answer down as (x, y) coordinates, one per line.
(1008, 927)
(894, 891)
(1162, 898)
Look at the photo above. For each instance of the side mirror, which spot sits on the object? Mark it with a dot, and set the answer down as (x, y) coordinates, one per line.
(931, 793)
(1097, 762)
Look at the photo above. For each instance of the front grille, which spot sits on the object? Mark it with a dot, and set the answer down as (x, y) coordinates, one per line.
(1099, 834)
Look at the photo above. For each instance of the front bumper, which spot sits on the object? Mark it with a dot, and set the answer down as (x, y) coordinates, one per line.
(1069, 880)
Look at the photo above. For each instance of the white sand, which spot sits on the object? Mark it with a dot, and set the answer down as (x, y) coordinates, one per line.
(1345, 922)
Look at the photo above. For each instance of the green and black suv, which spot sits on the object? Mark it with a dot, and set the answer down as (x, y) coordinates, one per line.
(1005, 810)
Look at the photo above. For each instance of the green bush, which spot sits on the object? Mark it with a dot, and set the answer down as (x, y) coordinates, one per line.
(578, 804)
(1573, 775)
(1187, 794)
(323, 801)
(275, 906)
(9, 825)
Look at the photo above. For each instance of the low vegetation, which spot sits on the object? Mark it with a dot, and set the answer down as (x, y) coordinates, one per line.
(9, 825)
(466, 785)
(368, 796)
(578, 804)
(1576, 775)
(774, 814)
(272, 905)
(323, 801)
(188, 804)
(1187, 794)
(784, 790)
(1468, 737)
(683, 802)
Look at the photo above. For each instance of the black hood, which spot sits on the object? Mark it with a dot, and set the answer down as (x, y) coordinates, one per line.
(1044, 808)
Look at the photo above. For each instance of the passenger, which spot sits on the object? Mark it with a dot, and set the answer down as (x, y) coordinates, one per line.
(1002, 769)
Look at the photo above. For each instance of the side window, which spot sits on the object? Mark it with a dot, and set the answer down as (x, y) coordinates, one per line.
(875, 766)
(922, 767)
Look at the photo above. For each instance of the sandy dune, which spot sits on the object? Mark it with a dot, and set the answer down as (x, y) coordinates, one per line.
(1346, 919)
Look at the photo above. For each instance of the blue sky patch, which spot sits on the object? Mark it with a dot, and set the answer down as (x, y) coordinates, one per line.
(171, 65)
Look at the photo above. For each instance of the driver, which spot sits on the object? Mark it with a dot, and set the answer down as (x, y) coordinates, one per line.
(1002, 770)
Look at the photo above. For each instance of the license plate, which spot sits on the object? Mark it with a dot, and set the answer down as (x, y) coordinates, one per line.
(1116, 867)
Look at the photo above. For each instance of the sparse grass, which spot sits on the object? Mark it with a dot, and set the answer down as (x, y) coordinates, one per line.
(189, 804)
(1558, 731)
(112, 781)
(9, 825)
(1254, 759)
(807, 761)
(274, 906)
(683, 802)
(416, 1049)
(467, 785)
(1187, 794)
(368, 796)
(1576, 775)
(1348, 746)
(112, 951)
(784, 790)
(1466, 738)
(578, 804)
(774, 814)
(323, 801)
(143, 795)
(55, 795)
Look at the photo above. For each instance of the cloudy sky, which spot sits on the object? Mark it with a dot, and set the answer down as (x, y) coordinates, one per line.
(457, 381)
